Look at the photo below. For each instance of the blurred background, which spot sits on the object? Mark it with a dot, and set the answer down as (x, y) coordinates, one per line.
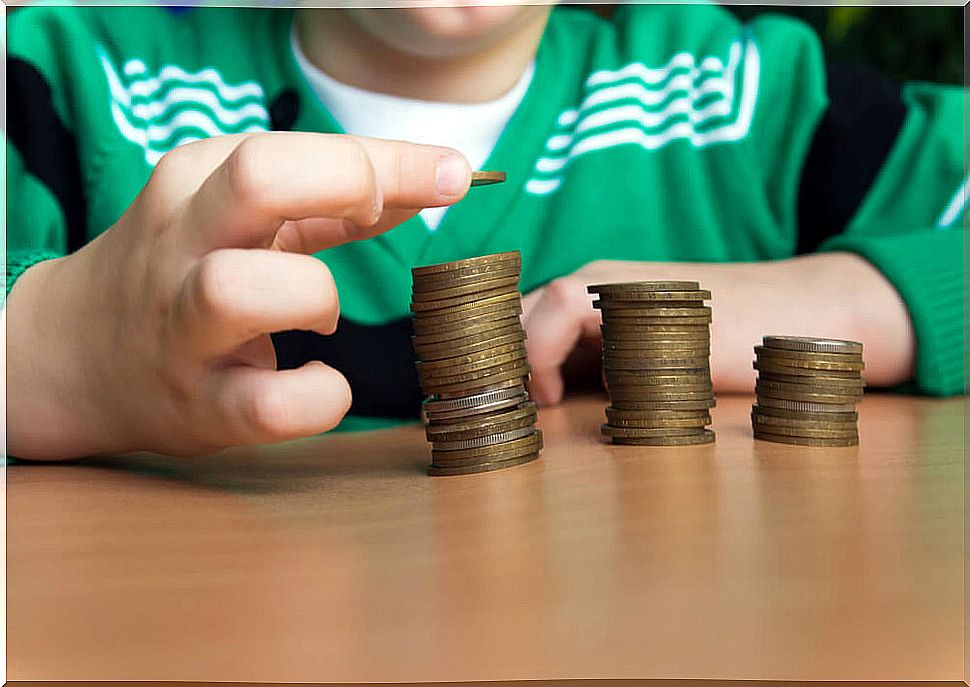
(907, 43)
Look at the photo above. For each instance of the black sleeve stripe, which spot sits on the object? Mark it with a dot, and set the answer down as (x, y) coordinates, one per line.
(377, 360)
(852, 140)
(284, 110)
(48, 147)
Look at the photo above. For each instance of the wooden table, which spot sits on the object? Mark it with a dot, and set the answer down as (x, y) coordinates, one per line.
(337, 559)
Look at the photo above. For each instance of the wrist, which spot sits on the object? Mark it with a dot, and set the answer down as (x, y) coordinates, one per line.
(874, 314)
(49, 412)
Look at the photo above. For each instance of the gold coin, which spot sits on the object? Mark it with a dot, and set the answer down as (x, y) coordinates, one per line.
(477, 432)
(657, 406)
(851, 416)
(426, 288)
(640, 433)
(766, 386)
(526, 444)
(807, 441)
(473, 270)
(651, 344)
(793, 359)
(632, 378)
(674, 314)
(673, 331)
(472, 298)
(678, 377)
(469, 371)
(784, 425)
(695, 363)
(462, 360)
(452, 293)
(496, 385)
(530, 443)
(705, 437)
(614, 414)
(792, 429)
(507, 377)
(642, 306)
(778, 354)
(610, 320)
(678, 353)
(765, 402)
(769, 367)
(622, 397)
(656, 384)
(484, 301)
(452, 349)
(428, 270)
(639, 286)
(487, 178)
(435, 471)
(487, 440)
(481, 425)
(663, 353)
(854, 384)
(768, 395)
(620, 393)
(813, 388)
(647, 423)
(508, 305)
(805, 343)
(495, 454)
(477, 329)
(655, 296)
(805, 397)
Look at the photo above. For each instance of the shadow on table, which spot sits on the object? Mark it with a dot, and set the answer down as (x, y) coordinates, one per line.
(317, 464)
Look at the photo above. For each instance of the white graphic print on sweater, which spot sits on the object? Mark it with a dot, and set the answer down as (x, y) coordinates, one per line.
(161, 111)
(699, 100)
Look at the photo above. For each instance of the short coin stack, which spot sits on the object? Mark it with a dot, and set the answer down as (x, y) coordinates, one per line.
(656, 360)
(472, 365)
(807, 390)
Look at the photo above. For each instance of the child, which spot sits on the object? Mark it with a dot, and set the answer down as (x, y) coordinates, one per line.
(668, 143)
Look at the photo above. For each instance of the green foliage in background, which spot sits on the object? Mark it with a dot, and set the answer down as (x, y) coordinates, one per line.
(907, 43)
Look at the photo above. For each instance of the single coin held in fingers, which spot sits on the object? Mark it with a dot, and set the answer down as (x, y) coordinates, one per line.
(486, 178)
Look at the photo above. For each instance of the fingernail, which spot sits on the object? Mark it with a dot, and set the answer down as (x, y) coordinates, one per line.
(452, 176)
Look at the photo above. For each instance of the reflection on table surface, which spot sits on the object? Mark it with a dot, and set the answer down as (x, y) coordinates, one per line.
(337, 559)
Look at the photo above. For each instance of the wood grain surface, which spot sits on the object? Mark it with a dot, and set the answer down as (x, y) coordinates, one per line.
(337, 559)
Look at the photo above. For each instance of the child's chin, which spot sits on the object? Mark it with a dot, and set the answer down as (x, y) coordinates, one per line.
(469, 22)
(444, 32)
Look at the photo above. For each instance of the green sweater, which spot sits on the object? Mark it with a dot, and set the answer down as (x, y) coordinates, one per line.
(669, 133)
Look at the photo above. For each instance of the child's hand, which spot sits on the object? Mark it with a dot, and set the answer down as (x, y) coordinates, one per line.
(559, 319)
(155, 335)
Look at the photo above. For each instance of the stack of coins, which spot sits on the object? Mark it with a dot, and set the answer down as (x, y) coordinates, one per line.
(807, 390)
(656, 360)
(471, 361)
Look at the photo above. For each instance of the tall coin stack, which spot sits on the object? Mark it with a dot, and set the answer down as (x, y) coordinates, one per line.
(472, 365)
(807, 390)
(656, 360)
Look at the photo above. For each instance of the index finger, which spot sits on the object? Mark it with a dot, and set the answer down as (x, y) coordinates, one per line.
(274, 177)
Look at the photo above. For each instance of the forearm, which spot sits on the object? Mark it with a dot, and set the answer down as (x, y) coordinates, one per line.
(838, 295)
